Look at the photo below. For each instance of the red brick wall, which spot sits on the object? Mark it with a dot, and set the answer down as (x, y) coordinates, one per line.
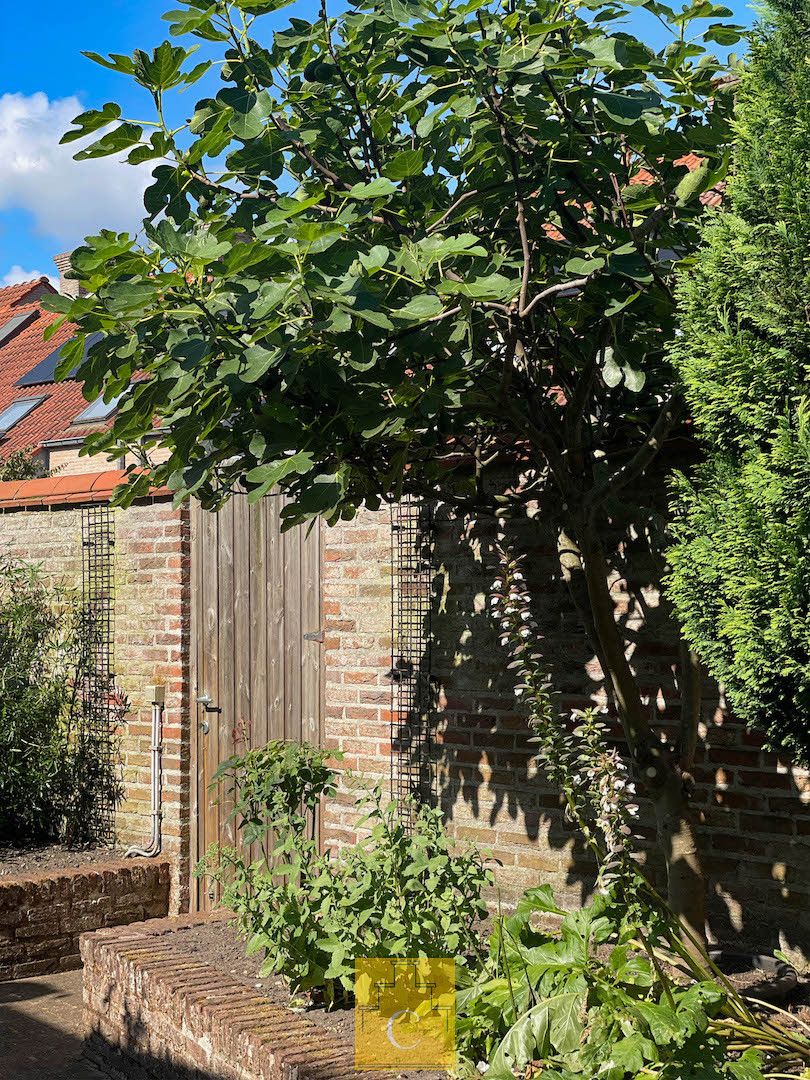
(755, 807)
(357, 654)
(43, 913)
(151, 647)
(153, 1011)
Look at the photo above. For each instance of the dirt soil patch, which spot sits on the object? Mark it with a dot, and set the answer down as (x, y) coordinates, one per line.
(18, 861)
(218, 944)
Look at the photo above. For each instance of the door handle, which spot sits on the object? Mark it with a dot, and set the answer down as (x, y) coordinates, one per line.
(207, 703)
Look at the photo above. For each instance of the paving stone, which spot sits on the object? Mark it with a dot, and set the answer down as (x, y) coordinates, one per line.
(41, 1029)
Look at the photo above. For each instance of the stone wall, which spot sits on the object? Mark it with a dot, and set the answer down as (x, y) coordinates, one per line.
(151, 645)
(43, 913)
(153, 1012)
(754, 806)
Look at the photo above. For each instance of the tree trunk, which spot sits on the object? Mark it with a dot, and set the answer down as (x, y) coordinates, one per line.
(675, 827)
(663, 777)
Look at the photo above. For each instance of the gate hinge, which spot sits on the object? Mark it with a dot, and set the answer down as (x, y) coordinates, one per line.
(314, 635)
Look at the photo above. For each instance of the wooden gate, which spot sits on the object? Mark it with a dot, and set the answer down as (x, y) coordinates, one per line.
(255, 650)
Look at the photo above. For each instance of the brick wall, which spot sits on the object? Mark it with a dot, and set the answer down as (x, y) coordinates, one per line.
(67, 461)
(44, 913)
(151, 647)
(154, 1012)
(755, 807)
(357, 654)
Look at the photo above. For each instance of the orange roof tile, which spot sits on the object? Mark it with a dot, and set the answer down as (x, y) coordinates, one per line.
(65, 490)
(63, 401)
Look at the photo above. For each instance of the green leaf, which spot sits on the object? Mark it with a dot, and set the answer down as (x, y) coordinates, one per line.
(419, 308)
(116, 62)
(120, 138)
(376, 258)
(661, 1020)
(317, 237)
(407, 163)
(692, 184)
(724, 34)
(631, 1054)
(489, 287)
(634, 379)
(611, 372)
(625, 109)
(555, 1023)
(748, 1066)
(265, 477)
(92, 120)
(580, 266)
(250, 112)
(372, 190)
(539, 899)
(261, 7)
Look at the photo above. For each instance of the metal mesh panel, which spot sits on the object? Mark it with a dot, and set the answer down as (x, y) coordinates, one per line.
(101, 703)
(410, 675)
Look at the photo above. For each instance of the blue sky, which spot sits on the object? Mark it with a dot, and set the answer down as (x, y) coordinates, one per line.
(47, 202)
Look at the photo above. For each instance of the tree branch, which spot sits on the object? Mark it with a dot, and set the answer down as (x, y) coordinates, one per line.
(671, 412)
(362, 119)
(553, 290)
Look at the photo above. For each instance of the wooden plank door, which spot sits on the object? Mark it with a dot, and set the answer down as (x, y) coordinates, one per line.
(256, 657)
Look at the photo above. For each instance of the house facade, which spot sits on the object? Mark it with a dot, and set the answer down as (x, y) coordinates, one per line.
(38, 415)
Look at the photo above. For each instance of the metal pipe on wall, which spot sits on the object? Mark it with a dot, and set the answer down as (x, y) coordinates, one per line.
(156, 841)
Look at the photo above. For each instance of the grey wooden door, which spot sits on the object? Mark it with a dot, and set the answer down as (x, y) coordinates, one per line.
(256, 657)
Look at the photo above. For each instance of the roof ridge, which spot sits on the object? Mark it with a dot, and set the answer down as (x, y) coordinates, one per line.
(13, 294)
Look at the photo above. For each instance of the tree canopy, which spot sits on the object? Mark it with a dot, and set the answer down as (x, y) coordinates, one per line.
(422, 246)
(416, 226)
(741, 573)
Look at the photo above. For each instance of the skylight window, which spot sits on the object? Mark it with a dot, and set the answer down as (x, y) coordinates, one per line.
(45, 370)
(16, 412)
(98, 410)
(18, 322)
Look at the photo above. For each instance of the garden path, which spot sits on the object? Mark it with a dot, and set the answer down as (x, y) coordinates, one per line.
(40, 1029)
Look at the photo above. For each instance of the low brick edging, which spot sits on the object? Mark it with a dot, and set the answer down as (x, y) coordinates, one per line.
(43, 913)
(152, 1012)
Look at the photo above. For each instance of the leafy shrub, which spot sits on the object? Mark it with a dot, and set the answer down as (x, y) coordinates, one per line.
(36, 650)
(587, 1002)
(397, 892)
(740, 581)
(22, 465)
(55, 772)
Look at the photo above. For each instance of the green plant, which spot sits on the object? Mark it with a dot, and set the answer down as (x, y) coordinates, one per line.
(55, 771)
(37, 637)
(396, 243)
(595, 999)
(589, 1001)
(740, 580)
(22, 465)
(396, 892)
(275, 786)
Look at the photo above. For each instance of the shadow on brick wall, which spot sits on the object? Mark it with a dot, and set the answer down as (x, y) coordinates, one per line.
(755, 820)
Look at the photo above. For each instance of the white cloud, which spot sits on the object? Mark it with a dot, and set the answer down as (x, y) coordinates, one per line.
(68, 199)
(17, 274)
